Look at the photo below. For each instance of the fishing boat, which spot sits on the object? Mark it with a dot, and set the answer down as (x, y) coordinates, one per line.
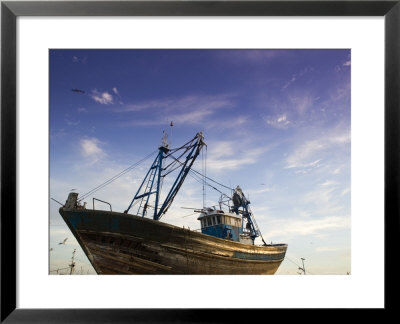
(139, 243)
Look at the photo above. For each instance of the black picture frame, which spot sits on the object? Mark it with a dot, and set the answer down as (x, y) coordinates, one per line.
(10, 10)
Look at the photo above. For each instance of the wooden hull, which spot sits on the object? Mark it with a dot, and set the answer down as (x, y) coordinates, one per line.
(118, 243)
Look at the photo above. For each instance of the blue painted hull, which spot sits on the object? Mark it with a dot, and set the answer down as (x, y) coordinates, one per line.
(118, 243)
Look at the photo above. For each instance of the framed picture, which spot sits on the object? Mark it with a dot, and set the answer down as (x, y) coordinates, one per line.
(39, 50)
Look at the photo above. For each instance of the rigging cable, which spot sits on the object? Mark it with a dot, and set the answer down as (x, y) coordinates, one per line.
(204, 180)
(115, 177)
(200, 180)
(292, 261)
(205, 175)
(198, 173)
(211, 179)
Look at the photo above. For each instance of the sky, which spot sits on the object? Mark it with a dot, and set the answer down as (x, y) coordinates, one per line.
(276, 122)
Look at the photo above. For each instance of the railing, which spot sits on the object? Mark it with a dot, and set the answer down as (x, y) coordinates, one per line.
(102, 202)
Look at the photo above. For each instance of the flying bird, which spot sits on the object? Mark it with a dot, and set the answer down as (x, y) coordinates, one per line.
(63, 242)
(78, 90)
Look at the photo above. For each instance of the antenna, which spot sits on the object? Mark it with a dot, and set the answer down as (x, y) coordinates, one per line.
(171, 125)
(204, 167)
(165, 140)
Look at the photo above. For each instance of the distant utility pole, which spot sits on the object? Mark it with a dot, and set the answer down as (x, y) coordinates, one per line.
(303, 269)
(72, 265)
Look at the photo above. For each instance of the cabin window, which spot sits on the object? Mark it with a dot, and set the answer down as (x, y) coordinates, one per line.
(203, 223)
(218, 219)
(208, 221)
(215, 220)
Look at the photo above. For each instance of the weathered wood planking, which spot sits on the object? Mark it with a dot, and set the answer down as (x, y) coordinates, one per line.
(118, 243)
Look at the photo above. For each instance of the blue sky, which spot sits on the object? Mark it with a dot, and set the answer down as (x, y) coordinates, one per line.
(276, 122)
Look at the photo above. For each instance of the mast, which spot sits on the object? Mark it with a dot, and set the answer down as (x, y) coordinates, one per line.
(239, 200)
(152, 183)
(149, 179)
(196, 144)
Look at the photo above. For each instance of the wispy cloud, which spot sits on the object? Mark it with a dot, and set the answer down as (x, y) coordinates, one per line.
(191, 102)
(116, 92)
(288, 83)
(103, 98)
(340, 92)
(194, 109)
(71, 122)
(296, 77)
(227, 122)
(227, 155)
(345, 191)
(323, 201)
(91, 150)
(328, 183)
(307, 153)
(303, 156)
(193, 117)
(302, 102)
(320, 197)
(280, 121)
(77, 59)
(296, 227)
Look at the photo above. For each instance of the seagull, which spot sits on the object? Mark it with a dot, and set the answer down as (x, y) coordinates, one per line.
(63, 242)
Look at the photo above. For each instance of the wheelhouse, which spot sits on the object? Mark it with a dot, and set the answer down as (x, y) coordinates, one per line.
(223, 224)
